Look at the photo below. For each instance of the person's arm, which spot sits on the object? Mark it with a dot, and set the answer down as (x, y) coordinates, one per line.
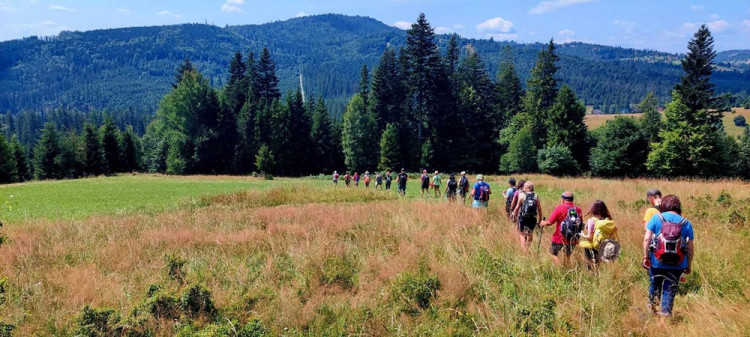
(515, 211)
(590, 225)
(690, 253)
(646, 263)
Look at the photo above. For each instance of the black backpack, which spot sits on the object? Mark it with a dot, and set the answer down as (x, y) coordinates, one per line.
(425, 179)
(529, 207)
(452, 185)
(570, 228)
(464, 183)
(509, 199)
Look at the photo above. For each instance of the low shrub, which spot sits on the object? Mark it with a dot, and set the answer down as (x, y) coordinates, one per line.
(340, 270)
(174, 268)
(197, 301)
(98, 322)
(414, 291)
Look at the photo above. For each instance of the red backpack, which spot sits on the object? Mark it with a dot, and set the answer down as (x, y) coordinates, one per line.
(668, 246)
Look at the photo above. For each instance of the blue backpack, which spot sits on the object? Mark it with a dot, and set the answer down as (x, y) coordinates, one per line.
(482, 191)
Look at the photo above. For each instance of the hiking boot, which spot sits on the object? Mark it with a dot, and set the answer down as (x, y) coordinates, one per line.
(652, 307)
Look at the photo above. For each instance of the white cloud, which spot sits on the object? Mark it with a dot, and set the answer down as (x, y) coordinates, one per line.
(459, 27)
(123, 10)
(502, 36)
(61, 8)
(627, 26)
(566, 32)
(689, 28)
(4, 7)
(496, 25)
(717, 26)
(168, 13)
(696, 8)
(232, 6)
(746, 26)
(548, 6)
(236, 2)
(443, 30)
(714, 16)
(301, 15)
(402, 25)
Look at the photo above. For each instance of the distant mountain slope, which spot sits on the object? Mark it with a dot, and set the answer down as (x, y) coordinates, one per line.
(132, 68)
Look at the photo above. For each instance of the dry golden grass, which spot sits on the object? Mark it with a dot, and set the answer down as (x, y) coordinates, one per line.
(595, 121)
(264, 255)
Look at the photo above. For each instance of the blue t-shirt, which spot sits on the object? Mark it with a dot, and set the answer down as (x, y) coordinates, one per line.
(478, 189)
(654, 225)
(509, 192)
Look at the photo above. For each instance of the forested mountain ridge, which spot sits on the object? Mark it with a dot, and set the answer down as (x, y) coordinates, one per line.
(132, 68)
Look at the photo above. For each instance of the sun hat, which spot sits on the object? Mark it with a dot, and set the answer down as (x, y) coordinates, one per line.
(480, 177)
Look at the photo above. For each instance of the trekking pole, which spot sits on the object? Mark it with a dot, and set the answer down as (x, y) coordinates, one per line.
(539, 242)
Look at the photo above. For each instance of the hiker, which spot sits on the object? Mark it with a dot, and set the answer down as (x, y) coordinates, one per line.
(425, 182)
(463, 187)
(451, 188)
(347, 179)
(508, 195)
(388, 179)
(528, 211)
(378, 181)
(667, 253)
(356, 179)
(568, 224)
(600, 235)
(436, 181)
(401, 180)
(514, 202)
(367, 179)
(653, 196)
(335, 178)
(480, 193)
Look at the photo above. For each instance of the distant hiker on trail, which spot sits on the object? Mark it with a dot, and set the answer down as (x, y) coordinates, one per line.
(508, 195)
(653, 196)
(451, 188)
(367, 179)
(568, 224)
(378, 181)
(481, 193)
(514, 202)
(436, 182)
(667, 253)
(335, 178)
(347, 179)
(529, 213)
(401, 180)
(356, 179)
(463, 187)
(425, 182)
(388, 179)
(599, 241)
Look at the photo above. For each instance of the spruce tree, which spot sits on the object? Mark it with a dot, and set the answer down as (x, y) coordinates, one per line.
(280, 137)
(695, 86)
(237, 86)
(45, 153)
(743, 157)
(475, 113)
(109, 137)
(8, 165)
(130, 150)
(651, 123)
(508, 90)
(22, 160)
(541, 91)
(93, 161)
(71, 158)
(184, 67)
(267, 83)
(321, 134)
(245, 150)
(566, 127)
(300, 123)
(452, 54)
(364, 86)
(359, 140)
(389, 149)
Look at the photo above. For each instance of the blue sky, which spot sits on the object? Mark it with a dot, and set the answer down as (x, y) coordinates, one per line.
(664, 25)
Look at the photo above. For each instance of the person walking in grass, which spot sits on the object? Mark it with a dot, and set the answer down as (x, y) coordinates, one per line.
(463, 187)
(514, 201)
(367, 179)
(378, 181)
(529, 214)
(388, 179)
(356, 179)
(436, 182)
(335, 178)
(425, 179)
(653, 197)
(480, 193)
(451, 188)
(401, 181)
(668, 251)
(508, 195)
(568, 224)
(347, 179)
(600, 234)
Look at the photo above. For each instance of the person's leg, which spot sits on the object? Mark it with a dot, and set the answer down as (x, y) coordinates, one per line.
(669, 290)
(554, 250)
(656, 279)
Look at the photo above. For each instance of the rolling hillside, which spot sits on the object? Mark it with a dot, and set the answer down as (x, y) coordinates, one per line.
(132, 68)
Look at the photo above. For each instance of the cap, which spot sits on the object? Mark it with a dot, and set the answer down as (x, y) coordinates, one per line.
(652, 193)
(463, 172)
(480, 177)
(511, 181)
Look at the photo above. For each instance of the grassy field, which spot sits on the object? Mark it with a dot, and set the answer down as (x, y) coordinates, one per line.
(595, 121)
(246, 257)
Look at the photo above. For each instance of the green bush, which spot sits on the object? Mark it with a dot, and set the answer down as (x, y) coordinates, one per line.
(163, 306)
(339, 270)
(6, 330)
(414, 292)
(197, 301)
(174, 268)
(557, 160)
(98, 322)
(740, 121)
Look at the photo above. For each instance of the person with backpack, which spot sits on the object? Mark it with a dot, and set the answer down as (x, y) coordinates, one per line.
(668, 251)
(600, 235)
(425, 179)
(451, 188)
(436, 182)
(463, 187)
(566, 218)
(378, 181)
(481, 193)
(529, 213)
(388, 179)
(356, 179)
(653, 196)
(401, 180)
(335, 178)
(368, 178)
(347, 179)
(514, 202)
(508, 195)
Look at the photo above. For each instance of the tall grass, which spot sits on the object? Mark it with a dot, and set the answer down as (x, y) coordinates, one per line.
(307, 260)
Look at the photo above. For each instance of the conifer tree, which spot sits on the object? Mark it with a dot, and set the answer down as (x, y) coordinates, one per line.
(184, 67)
(22, 160)
(565, 125)
(45, 153)
(8, 165)
(508, 90)
(93, 157)
(245, 149)
(321, 134)
(267, 82)
(70, 161)
(237, 86)
(364, 86)
(743, 157)
(651, 123)
(109, 137)
(131, 151)
(695, 86)
(541, 91)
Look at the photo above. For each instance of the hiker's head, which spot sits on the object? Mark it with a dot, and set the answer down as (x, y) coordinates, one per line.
(528, 187)
(424, 171)
(654, 197)
(403, 170)
(671, 203)
(567, 196)
(463, 173)
(521, 183)
(512, 182)
(599, 210)
(453, 177)
(480, 177)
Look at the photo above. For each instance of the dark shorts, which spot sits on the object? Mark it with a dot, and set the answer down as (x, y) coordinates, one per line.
(526, 224)
(425, 187)
(557, 247)
(402, 188)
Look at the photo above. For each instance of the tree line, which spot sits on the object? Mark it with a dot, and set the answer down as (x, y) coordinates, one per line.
(421, 107)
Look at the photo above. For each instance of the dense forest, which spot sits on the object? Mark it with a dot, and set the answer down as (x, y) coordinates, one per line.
(128, 70)
(420, 107)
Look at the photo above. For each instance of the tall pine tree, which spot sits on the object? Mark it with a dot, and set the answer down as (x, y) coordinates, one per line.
(8, 165)
(321, 134)
(508, 90)
(267, 82)
(22, 160)
(237, 86)
(651, 123)
(565, 126)
(93, 157)
(541, 91)
(109, 137)
(45, 153)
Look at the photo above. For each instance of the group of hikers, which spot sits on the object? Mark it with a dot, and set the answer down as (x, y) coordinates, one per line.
(668, 247)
